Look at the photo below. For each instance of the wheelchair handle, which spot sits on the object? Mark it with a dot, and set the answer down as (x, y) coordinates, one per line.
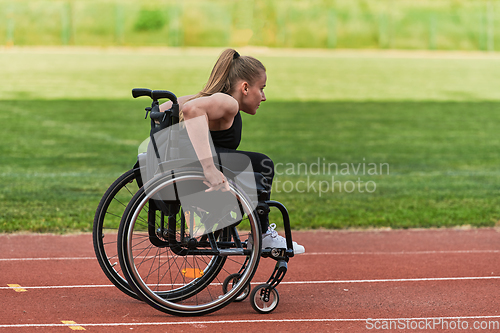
(161, 120)
(138, 92)
(154, 110)
(154, 94)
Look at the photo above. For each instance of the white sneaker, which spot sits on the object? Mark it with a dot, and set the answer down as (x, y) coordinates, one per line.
(273, 240)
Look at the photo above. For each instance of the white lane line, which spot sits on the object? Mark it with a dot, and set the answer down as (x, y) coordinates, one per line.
(65, 287)
(48, 259)
(304, 254)
(17, 288)
(396, 280)
(255, 321)
(465, 278)
(403, 252)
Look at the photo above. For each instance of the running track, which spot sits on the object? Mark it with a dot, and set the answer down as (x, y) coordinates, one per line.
(421, 277)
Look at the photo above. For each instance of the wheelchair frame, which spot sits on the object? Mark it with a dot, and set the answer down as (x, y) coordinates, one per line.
(236, 287)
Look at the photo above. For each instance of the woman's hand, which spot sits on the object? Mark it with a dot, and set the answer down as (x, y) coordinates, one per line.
(215, 180)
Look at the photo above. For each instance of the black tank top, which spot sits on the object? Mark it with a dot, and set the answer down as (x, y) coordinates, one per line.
(229, 138)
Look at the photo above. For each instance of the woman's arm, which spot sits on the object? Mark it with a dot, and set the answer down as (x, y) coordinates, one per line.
(216, 109)
(181, 100)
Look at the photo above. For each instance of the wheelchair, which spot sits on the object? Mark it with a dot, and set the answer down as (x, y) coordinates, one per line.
(185, 257)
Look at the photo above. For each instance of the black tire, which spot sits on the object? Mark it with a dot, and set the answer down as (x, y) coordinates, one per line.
(228, 284)
(106, 224)
(259, 300)
(186, 283)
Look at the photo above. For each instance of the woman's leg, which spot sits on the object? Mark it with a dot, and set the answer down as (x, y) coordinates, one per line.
(239, 161)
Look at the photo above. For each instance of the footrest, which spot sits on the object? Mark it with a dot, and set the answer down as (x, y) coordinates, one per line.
(277, 253)
(278, 274)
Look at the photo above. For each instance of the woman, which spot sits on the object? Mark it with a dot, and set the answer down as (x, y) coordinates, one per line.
(236, 84)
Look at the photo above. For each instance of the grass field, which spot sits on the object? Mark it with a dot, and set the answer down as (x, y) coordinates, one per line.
(70, 128)
(359, 24)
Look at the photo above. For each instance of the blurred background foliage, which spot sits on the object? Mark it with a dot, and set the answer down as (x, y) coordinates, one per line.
(372, 24)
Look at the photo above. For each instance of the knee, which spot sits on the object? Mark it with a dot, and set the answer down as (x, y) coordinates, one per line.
(266, 166)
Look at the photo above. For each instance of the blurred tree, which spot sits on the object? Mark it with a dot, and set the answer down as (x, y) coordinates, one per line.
(149, 20)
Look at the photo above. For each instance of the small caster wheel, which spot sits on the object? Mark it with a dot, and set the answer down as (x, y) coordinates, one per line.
(264, 298)
(228, 284)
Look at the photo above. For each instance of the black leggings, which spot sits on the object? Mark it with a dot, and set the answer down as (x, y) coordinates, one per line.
(229, 158)
(260, 163)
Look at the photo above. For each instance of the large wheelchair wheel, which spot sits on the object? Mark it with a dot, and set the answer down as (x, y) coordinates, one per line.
(176, 258)
(106, 223)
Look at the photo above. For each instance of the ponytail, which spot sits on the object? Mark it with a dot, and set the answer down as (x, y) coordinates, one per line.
(229, 68)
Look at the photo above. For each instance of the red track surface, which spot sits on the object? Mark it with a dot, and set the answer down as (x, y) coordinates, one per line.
(426, 278)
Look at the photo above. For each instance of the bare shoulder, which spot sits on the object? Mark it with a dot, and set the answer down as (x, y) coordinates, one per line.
(215, 107)
(225, 101)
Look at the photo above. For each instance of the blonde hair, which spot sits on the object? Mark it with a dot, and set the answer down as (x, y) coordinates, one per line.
(229, 68)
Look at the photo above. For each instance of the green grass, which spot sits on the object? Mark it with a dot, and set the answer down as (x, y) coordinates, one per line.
(111, 73)
(442, 161)
(442, 158)
(432, 121)
(402, 24)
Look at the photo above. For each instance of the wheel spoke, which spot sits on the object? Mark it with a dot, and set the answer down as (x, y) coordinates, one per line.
(174, 266)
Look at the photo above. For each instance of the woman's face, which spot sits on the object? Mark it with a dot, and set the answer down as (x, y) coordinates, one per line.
(254, 95)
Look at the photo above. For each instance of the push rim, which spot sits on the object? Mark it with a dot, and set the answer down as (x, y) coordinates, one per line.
(154, 293)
